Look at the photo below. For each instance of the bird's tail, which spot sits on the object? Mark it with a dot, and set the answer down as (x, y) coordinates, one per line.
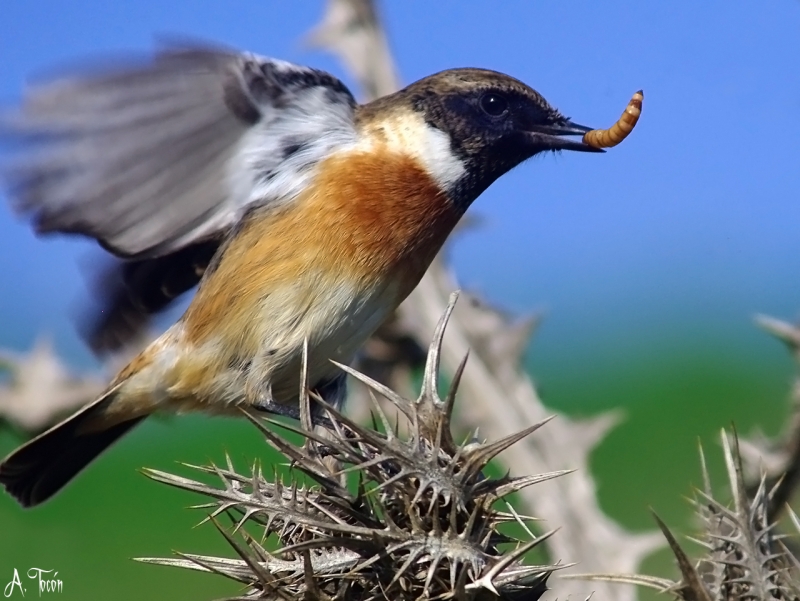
(39, 469)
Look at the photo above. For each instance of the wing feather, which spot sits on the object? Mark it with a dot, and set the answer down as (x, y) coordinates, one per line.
(153, 157)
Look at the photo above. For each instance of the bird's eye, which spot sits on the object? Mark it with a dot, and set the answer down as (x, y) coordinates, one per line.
(494, 104)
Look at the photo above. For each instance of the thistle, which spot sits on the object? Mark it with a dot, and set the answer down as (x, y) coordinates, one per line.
(420, 518)
(744, 557)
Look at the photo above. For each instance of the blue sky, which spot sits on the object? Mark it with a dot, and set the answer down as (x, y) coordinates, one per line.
(688, 228)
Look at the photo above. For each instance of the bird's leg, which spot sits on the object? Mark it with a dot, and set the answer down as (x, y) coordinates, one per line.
(283, 410)
(265, 402)
(333, 392)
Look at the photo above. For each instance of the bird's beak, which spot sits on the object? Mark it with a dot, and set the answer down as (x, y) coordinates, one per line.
(550, 137)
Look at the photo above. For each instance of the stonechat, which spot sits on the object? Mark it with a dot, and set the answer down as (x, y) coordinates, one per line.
(305, 217)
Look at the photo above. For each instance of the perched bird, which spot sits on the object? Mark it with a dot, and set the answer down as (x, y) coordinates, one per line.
(309, 217)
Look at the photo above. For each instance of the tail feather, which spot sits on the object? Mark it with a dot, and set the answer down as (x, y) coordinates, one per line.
(39, 469)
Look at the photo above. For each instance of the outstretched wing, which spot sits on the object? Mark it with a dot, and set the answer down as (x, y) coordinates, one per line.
(152, 158)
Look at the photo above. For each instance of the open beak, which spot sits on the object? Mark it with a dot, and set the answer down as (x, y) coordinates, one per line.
(550, 137)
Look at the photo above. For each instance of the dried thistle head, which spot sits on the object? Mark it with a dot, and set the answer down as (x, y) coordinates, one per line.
(744, 560)
(421, 520)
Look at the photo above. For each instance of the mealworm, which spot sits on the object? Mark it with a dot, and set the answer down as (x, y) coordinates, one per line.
(606, 138)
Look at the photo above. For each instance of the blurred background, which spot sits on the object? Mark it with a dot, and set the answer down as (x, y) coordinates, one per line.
(649, 262)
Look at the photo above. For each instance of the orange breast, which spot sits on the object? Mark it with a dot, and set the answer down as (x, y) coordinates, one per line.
(369, 216)
(383, 215)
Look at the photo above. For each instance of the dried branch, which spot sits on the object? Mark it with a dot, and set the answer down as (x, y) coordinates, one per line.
(351, 29)
(779, 458)
(40, 389)
(744, 559)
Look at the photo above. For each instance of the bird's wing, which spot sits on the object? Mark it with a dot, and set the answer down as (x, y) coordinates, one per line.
(151, 158)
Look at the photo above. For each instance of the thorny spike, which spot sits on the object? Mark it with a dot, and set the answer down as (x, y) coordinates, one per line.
(487, 580)
(734, 469)
(455, 382)
(704, 468)
(442, 432)
(691, 579)
(223, 508)
(474, 515)
(453, 574)
(512, 485)
(303, 460)
(412, 558)
(231, 485)
(480, 456)
(459, 589)
(264, 576)
(262, 553)
(188, 562)
(519, 519)
(660, 584)
(304, 400)
(385, 424)
(312, 590)
(382, 390)
(255, 480)
(310, 434)
(776, 486)
(244, 519)
(431, 378)
(793, 517)
(236, 570)
(172, 480)
(431, 572)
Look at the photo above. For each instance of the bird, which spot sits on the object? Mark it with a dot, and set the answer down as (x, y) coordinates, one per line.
(306, 218)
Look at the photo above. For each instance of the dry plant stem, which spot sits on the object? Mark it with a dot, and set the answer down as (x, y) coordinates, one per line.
(423, 521)
(41, 389)
(352, 30)
(588, 535)
(744, 559)
(780, 458)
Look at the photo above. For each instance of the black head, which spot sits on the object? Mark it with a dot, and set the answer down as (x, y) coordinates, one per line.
(494, 122)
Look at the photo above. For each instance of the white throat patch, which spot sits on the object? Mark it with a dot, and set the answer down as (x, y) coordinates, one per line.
(409, 134)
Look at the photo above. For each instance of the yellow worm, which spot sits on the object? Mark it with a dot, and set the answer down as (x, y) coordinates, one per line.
(606, 138)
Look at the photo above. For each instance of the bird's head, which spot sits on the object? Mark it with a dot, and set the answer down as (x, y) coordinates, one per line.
(470, 126)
